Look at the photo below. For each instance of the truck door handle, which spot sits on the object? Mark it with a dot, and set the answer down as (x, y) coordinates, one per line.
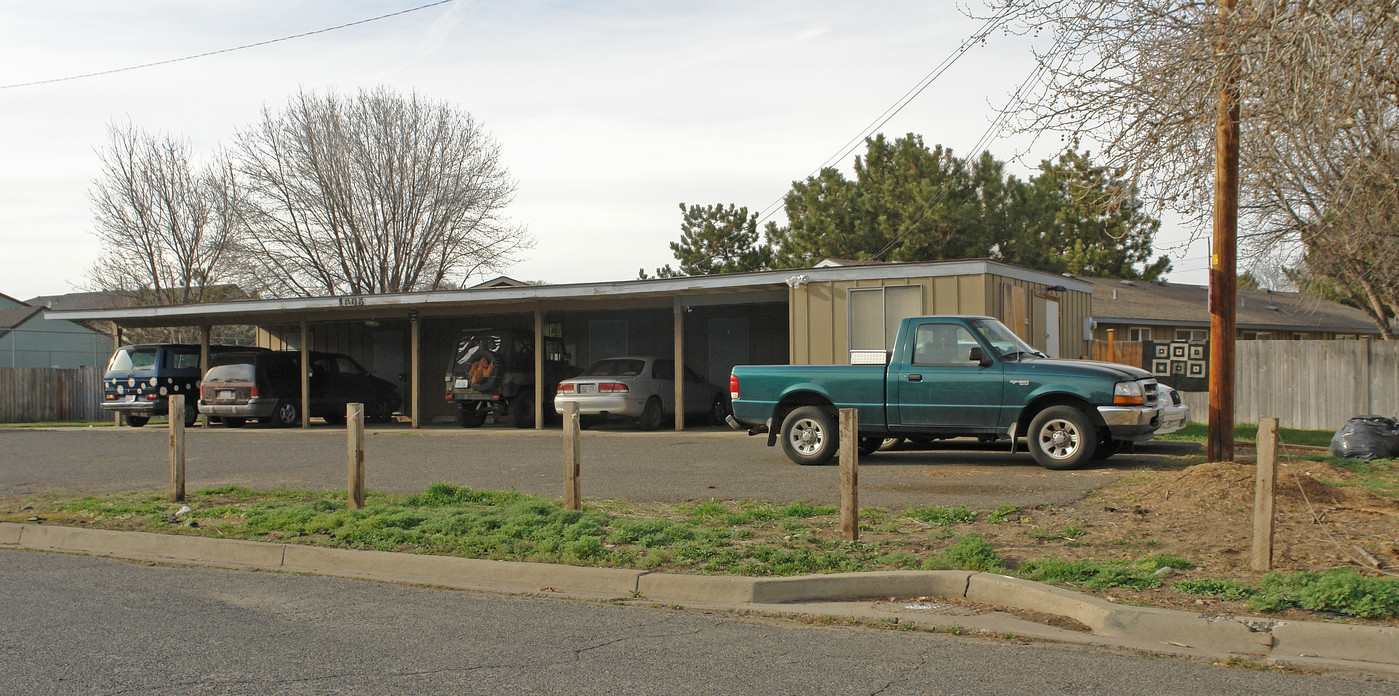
(915, 378)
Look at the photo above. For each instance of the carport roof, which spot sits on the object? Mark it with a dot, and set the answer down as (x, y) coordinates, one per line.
(735, 288)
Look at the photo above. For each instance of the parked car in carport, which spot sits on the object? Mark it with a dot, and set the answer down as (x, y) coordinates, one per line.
(266, 387)
(140, 379)
(640, 387)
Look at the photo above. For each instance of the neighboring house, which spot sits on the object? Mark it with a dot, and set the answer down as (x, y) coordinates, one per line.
(1144, 310)
(28, 339)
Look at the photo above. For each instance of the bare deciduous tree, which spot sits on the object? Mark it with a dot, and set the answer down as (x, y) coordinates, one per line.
(1320, 104)
(375, 193)
(165, 230)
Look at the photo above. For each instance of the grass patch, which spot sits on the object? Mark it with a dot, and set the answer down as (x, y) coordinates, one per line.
(1339, 591)
(1102, 575)
(59, 424)
(1003, 513)
(1379, 476)
(945, 516)
(1068, 532)
(1199, 432)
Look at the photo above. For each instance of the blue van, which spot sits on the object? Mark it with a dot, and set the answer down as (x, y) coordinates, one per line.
(140, 378)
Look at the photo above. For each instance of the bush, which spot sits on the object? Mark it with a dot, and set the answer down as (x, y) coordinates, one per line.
(1232, 590)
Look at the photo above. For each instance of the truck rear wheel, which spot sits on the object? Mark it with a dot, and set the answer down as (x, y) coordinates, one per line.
(522, 407)
(1062, 437)
(809, 436)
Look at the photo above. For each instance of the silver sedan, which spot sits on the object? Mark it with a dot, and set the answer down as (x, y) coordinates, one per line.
(640, 387)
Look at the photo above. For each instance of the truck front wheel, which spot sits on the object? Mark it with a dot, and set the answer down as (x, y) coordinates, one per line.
(809, 436)
(1062, 437)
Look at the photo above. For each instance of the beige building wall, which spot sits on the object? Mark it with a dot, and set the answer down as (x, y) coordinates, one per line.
(820, 319)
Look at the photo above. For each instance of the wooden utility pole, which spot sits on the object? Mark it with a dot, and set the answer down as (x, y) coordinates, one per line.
(1223, 257)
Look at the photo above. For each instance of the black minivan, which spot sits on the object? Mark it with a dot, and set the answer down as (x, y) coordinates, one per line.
(140, 379)
(266, 387)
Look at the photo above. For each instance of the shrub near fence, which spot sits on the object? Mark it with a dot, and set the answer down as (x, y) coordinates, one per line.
(35, 394)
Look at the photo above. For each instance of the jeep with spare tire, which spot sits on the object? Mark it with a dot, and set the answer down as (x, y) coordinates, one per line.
(492, 374)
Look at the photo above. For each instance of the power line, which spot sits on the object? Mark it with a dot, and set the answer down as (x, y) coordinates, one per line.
(223, 50)
(897, 106)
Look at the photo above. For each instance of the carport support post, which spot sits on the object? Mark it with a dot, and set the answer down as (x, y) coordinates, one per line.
(679, 366)
(204, 358)
(354, 429)
(177, 447)
(850, 474)
(539, 370)
(572, 459)
(305, 375)
(1264, 493)
(415, 342)
(116, 345)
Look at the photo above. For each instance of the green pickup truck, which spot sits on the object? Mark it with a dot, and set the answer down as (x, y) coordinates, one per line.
(952, 376)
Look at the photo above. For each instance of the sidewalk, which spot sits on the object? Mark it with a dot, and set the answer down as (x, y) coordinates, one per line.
(967, 601)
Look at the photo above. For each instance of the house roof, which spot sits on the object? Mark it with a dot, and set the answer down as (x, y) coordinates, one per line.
(12, 318)
(1160, 303)
(81, 300)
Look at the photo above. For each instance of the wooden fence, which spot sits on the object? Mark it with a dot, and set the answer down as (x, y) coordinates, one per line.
(1314, 385)
(35, 394)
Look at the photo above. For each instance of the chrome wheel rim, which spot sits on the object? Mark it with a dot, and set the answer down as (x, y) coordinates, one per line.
(807, 437)
(1060, 439)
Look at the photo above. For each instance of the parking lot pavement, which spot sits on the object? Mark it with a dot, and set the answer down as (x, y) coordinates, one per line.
(662, 466)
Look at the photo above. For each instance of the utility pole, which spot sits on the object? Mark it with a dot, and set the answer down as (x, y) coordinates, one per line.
(1223, 257)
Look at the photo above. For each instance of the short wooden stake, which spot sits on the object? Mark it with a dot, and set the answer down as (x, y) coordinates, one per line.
(1264, 494)
(354, 428)
(177, 447)
(850, 474)
(572, 460)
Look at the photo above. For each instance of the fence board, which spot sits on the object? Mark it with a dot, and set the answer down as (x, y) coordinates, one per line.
(34, 394)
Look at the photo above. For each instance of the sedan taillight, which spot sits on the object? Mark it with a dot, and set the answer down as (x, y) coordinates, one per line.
(614, 387)
(564, 389)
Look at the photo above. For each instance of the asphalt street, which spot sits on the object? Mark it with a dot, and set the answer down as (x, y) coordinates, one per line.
(81, 625)
(617, 463)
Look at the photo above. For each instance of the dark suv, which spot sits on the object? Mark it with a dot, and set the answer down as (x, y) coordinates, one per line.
(140, 379)
(492, 373)
(267, 387)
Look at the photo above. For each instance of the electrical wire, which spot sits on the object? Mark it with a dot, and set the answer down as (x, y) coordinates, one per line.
(898, 105)
(224, 50)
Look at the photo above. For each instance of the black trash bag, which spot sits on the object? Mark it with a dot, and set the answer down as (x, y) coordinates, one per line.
(1367, 437)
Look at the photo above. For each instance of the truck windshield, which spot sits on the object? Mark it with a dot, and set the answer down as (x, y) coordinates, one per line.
(1005, 342)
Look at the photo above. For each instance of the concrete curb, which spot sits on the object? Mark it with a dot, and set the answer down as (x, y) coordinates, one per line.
(1284, 642)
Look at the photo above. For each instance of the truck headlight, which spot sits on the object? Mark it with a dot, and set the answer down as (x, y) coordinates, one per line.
(1128, 393)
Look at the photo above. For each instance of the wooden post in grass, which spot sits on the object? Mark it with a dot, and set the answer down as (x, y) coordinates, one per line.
(849, 474)
(177, 447)
(572, 460)
(1264, 493)
(354, 427)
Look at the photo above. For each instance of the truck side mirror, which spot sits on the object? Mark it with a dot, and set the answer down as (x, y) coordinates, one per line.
(979, 356)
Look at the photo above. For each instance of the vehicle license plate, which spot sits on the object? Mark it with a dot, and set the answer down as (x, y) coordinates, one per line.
(587, 389)
(226, 394)
(129, 398)
(463, 384)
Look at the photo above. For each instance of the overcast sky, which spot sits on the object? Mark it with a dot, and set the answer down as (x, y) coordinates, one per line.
(608, 114)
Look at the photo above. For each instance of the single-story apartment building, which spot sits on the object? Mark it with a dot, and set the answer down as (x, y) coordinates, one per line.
(711, 323)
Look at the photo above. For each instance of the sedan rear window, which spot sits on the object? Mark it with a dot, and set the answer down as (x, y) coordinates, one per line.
(616, 367)
(237, 372)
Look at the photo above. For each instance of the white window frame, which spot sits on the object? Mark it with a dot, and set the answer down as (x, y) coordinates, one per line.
(850, 334)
